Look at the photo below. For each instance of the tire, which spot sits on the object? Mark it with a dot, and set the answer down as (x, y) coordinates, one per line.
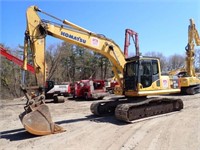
(59, 99)
(55, 99)
(100, 98)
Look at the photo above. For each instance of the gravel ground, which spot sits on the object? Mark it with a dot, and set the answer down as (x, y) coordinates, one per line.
(84, 131)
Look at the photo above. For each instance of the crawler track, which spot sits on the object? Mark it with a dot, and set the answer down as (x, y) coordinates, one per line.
(107, 107)
(191, 90)
(150, 107)
(129, 110)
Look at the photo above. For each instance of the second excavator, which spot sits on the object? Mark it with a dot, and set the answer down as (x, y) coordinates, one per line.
(189, 82)
(141, 76)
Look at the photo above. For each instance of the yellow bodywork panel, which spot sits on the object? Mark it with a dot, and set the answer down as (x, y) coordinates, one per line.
(165, 85)
(189, 81)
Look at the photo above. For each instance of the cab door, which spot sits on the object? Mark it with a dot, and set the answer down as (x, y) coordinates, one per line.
(131, 75)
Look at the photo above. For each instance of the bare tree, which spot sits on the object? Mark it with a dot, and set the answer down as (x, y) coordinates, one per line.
(10, 77)
(163, 59)
(175, 62)
(53, 58)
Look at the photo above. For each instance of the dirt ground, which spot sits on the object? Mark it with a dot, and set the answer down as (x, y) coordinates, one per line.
(84, 131)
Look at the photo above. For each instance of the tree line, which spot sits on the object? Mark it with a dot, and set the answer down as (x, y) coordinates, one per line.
(70, 63)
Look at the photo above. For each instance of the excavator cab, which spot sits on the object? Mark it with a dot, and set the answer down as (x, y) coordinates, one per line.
(142, 74)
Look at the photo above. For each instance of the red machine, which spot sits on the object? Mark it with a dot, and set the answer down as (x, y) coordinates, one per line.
(134, 35)
(90, 89)
(16, 60)
(52, 91)
(110, 85)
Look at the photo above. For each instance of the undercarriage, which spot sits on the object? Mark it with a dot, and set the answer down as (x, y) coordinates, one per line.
(129, 109)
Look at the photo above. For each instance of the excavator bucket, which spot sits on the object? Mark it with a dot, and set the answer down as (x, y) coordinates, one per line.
(36, 118)
(38, 121)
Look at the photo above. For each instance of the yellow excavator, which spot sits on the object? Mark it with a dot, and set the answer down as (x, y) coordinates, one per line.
(141, 76)
(189, 81)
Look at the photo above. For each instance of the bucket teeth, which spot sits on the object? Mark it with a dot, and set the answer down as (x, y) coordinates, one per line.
(58, 129)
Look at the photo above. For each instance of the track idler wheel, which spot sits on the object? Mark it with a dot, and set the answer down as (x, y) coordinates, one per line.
(178, 105)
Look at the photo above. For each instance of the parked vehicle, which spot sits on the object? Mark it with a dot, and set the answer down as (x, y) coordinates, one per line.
(52, 89)
(90, 89)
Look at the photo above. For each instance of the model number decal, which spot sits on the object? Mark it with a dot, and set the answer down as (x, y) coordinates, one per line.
(79, 39)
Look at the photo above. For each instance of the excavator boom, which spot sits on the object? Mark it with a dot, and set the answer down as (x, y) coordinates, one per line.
(38, 29)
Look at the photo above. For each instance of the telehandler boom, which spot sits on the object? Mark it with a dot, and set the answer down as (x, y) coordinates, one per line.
(141, 76)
